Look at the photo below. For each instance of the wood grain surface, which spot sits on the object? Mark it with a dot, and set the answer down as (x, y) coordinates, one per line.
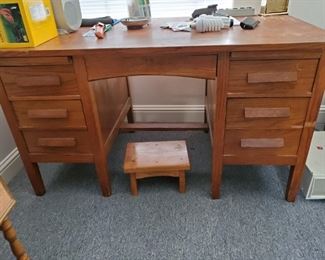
(266, 113)
(57, 142)
(269, 77)
(6, 200)
(169, 65)
(285, 64)
(39, 80)
(54, 114)
(156, 156)
(273, 33)
(261, 142)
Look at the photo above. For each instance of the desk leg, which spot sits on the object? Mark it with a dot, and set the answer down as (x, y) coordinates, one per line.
(217, 167)
(220, 98)
(103, 176)
(130, 112)
(297, 171)
(130, 116)
(205, 98)
(92, 118)
(289, 193)
(11, 236)
(32, 169)
(35, 177)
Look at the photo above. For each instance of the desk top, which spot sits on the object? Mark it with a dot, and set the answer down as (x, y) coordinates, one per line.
(278, 32)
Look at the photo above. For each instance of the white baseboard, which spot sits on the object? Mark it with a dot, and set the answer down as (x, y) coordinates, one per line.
(11, 165)
(168, 113)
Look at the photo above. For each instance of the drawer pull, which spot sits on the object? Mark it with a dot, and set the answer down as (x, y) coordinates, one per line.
(38, 81)
(47, 113)
(251, 112)
(57, 142)
(262, 143)
(272, 77)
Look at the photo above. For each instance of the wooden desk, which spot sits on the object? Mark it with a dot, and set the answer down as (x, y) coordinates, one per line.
(66, 99)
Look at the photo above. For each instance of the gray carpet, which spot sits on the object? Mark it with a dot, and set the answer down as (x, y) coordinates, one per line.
(251, 220)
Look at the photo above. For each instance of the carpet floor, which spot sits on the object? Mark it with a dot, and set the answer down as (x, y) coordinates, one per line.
(250, 221)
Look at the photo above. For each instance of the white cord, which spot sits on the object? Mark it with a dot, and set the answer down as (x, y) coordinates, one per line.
(210, 23)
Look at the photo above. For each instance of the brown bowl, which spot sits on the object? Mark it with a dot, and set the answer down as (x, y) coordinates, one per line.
(133, 23)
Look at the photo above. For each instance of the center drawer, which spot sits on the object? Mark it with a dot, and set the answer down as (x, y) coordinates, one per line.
(266, 113)
(50, 114)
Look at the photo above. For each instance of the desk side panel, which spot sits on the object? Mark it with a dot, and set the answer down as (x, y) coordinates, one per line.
(297, 171)
(211, 105)
(111, 96)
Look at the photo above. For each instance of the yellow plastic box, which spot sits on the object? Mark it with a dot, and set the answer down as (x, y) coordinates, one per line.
(26, 23)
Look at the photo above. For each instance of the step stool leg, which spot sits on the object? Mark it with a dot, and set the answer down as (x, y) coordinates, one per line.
(181, 181)
(133, 184)
(10, 235)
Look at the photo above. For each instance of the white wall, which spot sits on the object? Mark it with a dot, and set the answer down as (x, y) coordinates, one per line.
(10, 162)
(311, 11)
(167, 99)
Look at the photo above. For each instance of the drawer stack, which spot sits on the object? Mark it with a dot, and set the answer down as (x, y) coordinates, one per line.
(45, 98)
(267, 102)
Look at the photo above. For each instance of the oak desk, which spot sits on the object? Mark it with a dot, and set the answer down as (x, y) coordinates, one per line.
(66, 100)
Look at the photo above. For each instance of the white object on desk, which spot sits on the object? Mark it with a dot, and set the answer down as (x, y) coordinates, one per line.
(67, 14)
(313, 184)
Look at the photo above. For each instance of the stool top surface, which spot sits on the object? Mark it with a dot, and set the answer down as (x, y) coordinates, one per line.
(156, 156)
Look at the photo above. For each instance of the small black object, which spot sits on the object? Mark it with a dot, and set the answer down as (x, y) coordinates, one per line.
(249, 23)
(231, 23)
(92, 21)
(210, 10)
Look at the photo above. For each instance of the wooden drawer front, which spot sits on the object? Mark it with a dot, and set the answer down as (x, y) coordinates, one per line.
(172, 65)
(57, 141)
(50, 114)
(261, 142)
(39, 80)
(273, 77)
(34, 61)
(268, 113)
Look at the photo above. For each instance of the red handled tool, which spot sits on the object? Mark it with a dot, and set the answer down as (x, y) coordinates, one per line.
(100, 30)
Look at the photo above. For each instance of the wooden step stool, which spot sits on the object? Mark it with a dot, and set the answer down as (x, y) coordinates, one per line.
(152, 159)
(6, 204)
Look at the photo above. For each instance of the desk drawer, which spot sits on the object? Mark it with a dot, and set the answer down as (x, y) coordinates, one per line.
(261, 142)
(50, 114)
(39, 80)
(62, 142)
(272, 77)
(267, 113)
(34, 61)
(109, 66)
